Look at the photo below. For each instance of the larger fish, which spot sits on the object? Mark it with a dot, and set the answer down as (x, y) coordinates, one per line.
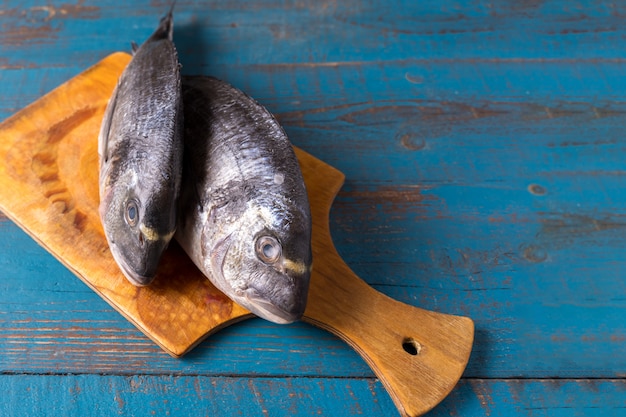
(244, 216)
(140, 148)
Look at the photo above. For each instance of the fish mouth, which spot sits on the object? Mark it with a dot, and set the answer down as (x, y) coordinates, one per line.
(138, 280)
(271, 312)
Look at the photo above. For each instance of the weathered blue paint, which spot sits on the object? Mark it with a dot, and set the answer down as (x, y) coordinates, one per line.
(535, 398)
(107, 395)
(483, 145)
(140, 395)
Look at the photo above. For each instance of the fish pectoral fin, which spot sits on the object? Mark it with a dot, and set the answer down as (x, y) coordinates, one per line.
(105, 128)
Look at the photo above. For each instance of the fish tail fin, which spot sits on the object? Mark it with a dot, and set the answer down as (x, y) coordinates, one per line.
(166, 25)
(172, 8)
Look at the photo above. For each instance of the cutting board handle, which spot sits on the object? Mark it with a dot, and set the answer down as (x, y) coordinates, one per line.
(419, 355)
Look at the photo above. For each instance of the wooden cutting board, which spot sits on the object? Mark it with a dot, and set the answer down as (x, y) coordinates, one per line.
(49, 187)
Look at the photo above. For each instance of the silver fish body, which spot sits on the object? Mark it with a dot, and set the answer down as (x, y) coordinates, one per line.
(244, 216)
(140, 151)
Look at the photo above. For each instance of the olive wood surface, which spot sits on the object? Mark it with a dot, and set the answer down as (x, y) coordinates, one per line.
(49, 187)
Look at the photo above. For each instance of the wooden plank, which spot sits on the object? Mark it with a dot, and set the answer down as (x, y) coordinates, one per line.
(419, 34)
(184, 395)
(106, 395)
(279, 31)
(532, 397)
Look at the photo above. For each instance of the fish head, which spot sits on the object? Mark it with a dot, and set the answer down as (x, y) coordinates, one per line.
(137, 227)
(264, 263)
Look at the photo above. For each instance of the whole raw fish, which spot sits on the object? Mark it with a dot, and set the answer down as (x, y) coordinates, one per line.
(244, 216)
(140, 148)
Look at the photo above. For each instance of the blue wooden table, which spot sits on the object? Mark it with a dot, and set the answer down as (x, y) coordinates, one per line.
(484, 147)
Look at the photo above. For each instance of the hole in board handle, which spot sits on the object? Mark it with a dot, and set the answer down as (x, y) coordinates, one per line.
(411, 346)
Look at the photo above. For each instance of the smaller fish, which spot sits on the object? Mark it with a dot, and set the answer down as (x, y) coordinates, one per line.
(244, 216)
(140, 151)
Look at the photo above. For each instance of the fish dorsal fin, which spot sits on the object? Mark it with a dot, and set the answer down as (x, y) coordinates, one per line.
(134, 46)
(105, 128)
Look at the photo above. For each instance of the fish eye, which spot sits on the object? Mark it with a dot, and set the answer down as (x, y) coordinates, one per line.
(131, 214)
(268, 249)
